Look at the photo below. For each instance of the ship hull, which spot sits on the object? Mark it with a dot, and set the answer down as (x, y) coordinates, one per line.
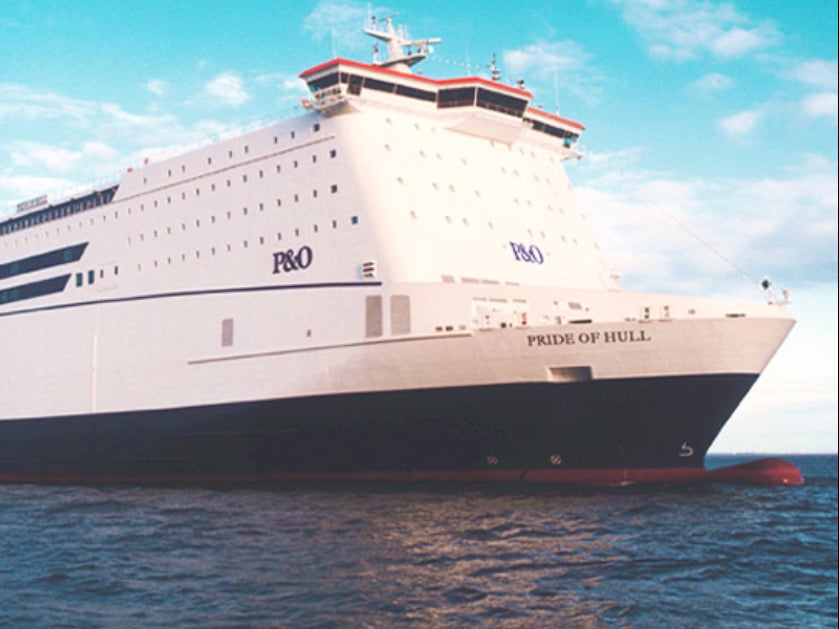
(593, 432)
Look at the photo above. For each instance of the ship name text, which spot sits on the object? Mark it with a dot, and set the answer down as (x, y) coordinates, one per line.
(588, 338)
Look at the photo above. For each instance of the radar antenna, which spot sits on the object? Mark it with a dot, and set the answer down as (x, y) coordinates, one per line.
(397, 41)
(495, 73)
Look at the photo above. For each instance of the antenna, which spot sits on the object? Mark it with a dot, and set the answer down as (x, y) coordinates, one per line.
(397, 40)
(494, 72)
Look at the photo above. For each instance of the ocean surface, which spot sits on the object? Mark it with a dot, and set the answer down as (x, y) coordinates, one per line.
(422, 556)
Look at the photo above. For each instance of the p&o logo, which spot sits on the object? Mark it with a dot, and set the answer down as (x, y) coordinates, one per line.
(290, 260)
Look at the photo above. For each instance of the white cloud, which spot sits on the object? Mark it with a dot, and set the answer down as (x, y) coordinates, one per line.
(341, 22)
(817, 73)
(158, 87)
(824, 104)
(695, 236)
(713, 82)
(545, 63)
(685, 29)
(53, 159)
(742, 123)
(228, 89)
(737, 42)
(24, 103)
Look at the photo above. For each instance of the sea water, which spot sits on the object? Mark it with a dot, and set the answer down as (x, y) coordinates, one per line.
(422, 556)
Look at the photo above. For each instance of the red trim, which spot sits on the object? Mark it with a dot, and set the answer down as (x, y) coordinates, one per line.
(568, 121)
(416, 77)
(762, 472)
(471, 80)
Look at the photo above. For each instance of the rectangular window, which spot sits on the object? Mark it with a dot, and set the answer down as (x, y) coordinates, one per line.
(226, 332)
(373, 318)
(400, 314)
(413, 92)
(501, 102)
(456, 97)
(91, 276)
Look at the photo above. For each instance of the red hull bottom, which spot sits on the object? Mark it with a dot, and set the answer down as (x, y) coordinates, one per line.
(765, 472)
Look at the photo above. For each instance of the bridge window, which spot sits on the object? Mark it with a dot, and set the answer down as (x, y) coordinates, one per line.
(456, 97)
(501, 102)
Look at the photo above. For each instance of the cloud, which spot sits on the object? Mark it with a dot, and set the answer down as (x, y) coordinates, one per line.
(96, 139)
(284, 88)
(742, 123)
(228, 89)
(56, 159)
(820, 75)
(685, 29)
(816, 73)
(20, 102)
(158, 87)
(15, 188)
(713, 82)
(824, 104)
(341, 22)
(691, 236)
(544, 63)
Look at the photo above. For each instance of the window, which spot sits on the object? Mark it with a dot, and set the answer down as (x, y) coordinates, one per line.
(501, 102)
(456, 97)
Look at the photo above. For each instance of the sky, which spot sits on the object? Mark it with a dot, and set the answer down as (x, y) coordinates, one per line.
(710, 144)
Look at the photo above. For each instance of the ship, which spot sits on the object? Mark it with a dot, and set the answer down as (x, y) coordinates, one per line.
(396, 285)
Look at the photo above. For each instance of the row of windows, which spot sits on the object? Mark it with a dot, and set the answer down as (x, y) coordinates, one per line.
(245, 178)
(9, 269)
(568, 136)
(469, 96)
(103, 197)
(100, 198)
(465, 221)
(168, 231)
(67, 208)
(333, 189)
(91, 275)
(332, 154)
(42, 261)
(34, 289)
(229, 214)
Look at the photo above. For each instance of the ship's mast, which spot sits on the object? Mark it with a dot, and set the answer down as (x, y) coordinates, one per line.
(397, 41)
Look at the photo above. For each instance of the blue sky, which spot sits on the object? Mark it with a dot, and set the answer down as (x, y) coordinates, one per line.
(711, 150)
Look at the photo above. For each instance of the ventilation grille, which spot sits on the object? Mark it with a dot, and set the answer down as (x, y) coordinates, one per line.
(368, 269)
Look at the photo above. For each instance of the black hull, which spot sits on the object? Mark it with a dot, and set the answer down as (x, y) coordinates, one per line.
(588, 432)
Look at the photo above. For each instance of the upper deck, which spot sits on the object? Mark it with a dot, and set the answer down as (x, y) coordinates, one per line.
(333, 82)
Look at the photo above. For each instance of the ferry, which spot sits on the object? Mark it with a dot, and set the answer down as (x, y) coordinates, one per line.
(397, 285)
